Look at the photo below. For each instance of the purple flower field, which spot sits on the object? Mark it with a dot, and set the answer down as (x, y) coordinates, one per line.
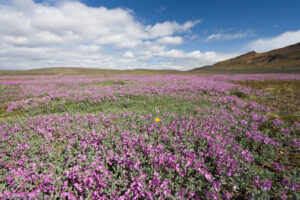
(144, 137)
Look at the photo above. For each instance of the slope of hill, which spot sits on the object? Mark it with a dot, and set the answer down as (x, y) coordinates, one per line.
(283, 60)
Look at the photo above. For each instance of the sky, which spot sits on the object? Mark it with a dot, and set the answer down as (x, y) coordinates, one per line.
(135, 34)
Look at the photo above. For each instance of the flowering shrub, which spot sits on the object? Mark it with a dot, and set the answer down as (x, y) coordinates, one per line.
(170, 137)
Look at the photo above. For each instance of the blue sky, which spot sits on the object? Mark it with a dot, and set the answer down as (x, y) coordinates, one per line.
(261, 18)
(128, 34)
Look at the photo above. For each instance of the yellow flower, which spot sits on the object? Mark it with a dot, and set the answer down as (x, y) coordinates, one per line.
(51, 108)
(157, 119)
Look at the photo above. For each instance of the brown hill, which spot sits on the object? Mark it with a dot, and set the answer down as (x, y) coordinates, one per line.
(283, 60)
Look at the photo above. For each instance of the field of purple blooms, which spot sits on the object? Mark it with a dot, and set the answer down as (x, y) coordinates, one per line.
(144, 137)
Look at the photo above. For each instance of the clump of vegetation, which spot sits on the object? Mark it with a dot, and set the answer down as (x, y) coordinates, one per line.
(238, 93)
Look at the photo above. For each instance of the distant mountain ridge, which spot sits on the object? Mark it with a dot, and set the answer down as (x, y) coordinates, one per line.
(286, 59)
(83, 71)
(283, 60)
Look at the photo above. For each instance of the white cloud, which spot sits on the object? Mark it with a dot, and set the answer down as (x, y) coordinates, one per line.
(71, 34)
(193, 37)
(128, 54)
(169, 28)
(231, 36)
(282, 40)
(170, 40)
(89, 48)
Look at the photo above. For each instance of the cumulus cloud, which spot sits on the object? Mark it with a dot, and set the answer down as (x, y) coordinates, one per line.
(282, 40)
(71, 34)
(230, 36)
(170, 40)
(128, 54)
(169, 28)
